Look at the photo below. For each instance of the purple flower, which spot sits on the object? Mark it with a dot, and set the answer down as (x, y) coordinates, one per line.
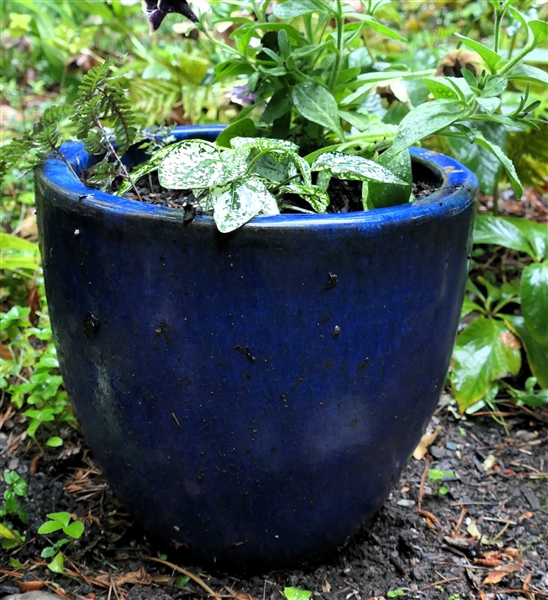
(158, 9)
(241, 94)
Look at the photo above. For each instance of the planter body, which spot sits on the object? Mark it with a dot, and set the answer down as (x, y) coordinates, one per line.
(254, 396)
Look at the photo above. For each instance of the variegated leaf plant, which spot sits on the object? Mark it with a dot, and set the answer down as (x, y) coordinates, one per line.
(251, 178)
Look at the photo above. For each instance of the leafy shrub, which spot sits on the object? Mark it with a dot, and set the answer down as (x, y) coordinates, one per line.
(490, 346)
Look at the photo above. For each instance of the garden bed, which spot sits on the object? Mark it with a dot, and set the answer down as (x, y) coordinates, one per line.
(422, 544)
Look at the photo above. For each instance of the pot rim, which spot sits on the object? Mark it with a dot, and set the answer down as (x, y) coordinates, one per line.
(457, 191)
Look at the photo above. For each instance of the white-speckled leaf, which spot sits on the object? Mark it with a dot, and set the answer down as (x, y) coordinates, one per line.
(235, 204)
(316, 197)
(347, 166)
(297, 162)
(380, 195)
(144, 169)
(263, 144)
(195, 163)
(275, 151)
(271, 168)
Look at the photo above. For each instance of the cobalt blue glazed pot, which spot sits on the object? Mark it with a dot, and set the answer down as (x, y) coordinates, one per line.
(252, 397)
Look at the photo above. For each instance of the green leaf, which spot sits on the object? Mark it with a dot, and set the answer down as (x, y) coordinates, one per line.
(294, 8)
(237, 203)
(506, 162)
(427, 119)
(494, 292)
(399, 163)
(491, 58)
(534, 301)
(379, 27)
(74, 530)
(318, 105)
(49, 552)
(292, 593)
(15, 563)
(348, 166)
(242, 128)
(357, 120)
(57, 565)
(485, 351)
(439, 475)
(9, 534)
(535, 233)
(448, 87)
(60, 517)
(54, 442)
(528, 73)
(540, 30)
(469, 306)
(523, 22)
(279, 105)
(197, 164)
(180, 582)
(13, 242)
(537, 355)
(489, 105)
(50, 527)
(495, 85)
(507, 232)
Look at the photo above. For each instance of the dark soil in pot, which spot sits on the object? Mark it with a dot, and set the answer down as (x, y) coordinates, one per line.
(433, 554)
(345, 195)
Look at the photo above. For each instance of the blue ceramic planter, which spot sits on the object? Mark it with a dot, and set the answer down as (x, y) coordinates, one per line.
(253, 397)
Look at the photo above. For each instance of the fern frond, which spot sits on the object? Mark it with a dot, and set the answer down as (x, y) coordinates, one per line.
(102, 104)
(104, 173)
(119, 115)
(93, 80)
(42, 142)
(16, 153)
(155, 98)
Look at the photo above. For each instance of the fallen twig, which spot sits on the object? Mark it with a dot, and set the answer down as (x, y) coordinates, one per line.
(188, 574)
(423, 481)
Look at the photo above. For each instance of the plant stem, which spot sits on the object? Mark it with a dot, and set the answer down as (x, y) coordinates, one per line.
(308, 28)
(62, 157)
(498, 20)
(496, 194)
(282, 183)
(515, 60)
(340, 39)
(513, 44)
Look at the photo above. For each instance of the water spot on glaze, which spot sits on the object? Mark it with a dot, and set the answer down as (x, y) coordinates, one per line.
(76, 232)
(332, 280)
(104, 396)
(91, 324)
(336, 331)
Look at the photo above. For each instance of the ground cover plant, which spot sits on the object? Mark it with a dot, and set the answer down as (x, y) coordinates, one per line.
(385, 110)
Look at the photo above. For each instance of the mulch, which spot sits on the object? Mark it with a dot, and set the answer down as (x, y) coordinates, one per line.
(485, 538)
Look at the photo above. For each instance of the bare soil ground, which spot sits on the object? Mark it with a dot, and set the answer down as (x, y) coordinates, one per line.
(485, 538)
